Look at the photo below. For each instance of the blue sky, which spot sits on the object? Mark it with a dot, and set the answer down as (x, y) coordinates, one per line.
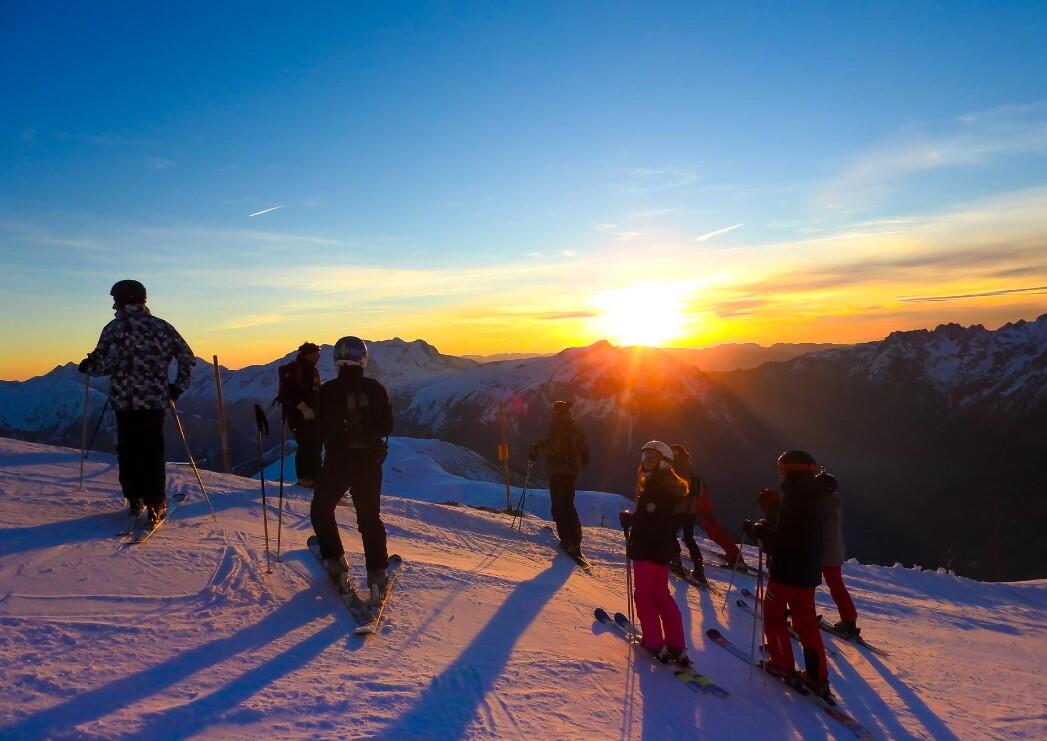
(503, 148)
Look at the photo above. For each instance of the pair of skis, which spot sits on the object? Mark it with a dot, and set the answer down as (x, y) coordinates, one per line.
(578, 558)
(752, 611)
(621, 626)
(368, 615)
(138, 534)
(833, 711)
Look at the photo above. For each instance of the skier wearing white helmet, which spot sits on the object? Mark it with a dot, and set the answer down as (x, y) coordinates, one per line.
(651, 544)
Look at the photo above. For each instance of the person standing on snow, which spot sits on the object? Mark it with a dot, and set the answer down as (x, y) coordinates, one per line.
(794, 558)
(135, 350)
(565, 451)
(833, 555)
(700, 510)
(353, 418)
(651, 544)
(832, 547)
(299, 386)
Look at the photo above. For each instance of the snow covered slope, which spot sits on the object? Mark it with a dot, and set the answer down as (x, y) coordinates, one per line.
(490, 633)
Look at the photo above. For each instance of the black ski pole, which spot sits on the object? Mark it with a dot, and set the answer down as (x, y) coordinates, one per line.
(629, 588)
(523, 498)
(280, 511)
(83, 427)
(734, 572)
(263, 429)
(98, 425)
(192, 461)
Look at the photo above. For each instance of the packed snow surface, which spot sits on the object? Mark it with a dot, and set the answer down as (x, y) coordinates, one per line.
(490, 631)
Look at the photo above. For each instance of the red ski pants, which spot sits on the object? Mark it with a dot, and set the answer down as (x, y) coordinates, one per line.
(800, 603)
(714, 529)
(833, 576)
(659, 616)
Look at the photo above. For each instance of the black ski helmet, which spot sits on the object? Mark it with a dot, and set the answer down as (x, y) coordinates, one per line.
(797, 460)
(350, 351)
(126, 292)
(827, 480)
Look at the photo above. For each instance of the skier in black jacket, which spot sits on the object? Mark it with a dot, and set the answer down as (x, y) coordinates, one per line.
(299, 384)
(353, 419)
(135, 350)
(794, 550)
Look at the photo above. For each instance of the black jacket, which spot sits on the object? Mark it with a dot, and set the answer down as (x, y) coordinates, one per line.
(652, 536)
(794, 543)
(353, 412)
(303, 386)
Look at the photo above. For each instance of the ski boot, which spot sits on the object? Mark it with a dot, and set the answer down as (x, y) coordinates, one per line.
(157, 513)
(306, 483)
(337, 568)
(377, 580)
(679, 657)
(676, 566)
(791, 678)
(741, 567)
(817, 687)
(847, 628)
(135, 506)
(698, 574)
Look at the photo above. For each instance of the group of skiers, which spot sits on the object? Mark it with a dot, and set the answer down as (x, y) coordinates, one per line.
(349, 419)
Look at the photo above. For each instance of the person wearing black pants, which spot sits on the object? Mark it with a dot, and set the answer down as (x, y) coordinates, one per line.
(354, 418)
(565, 451)
(135, 350)
(140, 454)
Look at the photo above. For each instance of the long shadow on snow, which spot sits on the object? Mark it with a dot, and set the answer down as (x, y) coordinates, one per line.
(99, 526)
(448, 705)
(121, 693)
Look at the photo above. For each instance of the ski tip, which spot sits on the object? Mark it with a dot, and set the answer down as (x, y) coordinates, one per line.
(602, 615)
(714, 633)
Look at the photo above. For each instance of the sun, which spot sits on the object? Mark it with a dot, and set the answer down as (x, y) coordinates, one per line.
(643, 314)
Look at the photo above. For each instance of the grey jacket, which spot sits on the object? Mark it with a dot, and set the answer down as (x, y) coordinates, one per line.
(832, 530)
(135, 350)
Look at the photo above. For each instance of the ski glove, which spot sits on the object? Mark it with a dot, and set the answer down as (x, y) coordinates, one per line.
(173, 392)
(625, 519)
(757, 530)
(306, 410)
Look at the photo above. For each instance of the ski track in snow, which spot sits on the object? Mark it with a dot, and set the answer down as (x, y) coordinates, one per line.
(489, 635)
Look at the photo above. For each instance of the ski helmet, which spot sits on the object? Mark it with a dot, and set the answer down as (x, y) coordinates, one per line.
(350, 351)
(827, 480)
(126, 292)
(659, 447)
(797, 460)
(308, 347)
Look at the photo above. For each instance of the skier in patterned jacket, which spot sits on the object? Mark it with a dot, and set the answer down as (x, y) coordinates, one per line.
(135, 350)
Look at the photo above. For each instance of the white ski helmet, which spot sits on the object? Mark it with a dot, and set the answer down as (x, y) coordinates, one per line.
(663, 450)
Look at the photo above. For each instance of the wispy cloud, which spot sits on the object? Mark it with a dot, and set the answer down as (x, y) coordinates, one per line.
(980, 294)
(718, 232)
(656, 180)
(619, 232)
(969, 140)
(267, 210)
(246, 321)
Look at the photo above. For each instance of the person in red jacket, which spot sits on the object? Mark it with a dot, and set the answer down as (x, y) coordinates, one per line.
(700, 511)
(833, 555)
(794, 562)
(651, 544)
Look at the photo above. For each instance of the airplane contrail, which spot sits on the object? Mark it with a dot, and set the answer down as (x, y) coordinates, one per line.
(718, 232)
(265, 211)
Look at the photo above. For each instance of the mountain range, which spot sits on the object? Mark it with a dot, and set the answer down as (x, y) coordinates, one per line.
(938, 436)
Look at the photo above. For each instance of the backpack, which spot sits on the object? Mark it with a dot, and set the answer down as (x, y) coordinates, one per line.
(286, 392)
(356, 420)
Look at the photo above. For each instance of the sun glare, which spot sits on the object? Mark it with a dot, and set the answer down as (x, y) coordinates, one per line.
(644, 314)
